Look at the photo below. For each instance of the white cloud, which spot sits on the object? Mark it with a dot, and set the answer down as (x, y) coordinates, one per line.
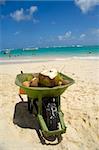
(33, 9)
(60, 37)
(82, 35)
(35, 21)
(86, 5)
(67, 35)
(18, 15)
(16, 33)
(22, 14)
(95, 31)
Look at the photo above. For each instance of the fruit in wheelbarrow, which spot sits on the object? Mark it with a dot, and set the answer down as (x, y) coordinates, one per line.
(34, 82)
(29, 77)
(52, 73)
(64, 82)
(58, 80)
(26, 83)
(45, 81)
(60, 83)
(46, 78)
(50, 78)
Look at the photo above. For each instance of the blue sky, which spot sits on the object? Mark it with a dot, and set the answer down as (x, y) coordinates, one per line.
(48, 23)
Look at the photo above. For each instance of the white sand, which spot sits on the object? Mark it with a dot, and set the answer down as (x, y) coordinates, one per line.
(80, 104)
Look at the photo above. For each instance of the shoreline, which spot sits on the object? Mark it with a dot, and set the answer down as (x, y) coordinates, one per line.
(30, 59)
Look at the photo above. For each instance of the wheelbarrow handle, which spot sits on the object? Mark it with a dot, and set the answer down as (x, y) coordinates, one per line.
(21, 97)
(21, 72)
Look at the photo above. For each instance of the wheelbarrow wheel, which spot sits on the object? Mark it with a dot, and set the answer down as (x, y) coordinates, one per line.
(30, 105)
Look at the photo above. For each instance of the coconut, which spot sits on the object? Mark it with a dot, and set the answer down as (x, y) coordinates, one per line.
(34, 82)
(45, 81)
(50, 78)
(26, 83)
(64, 82)
(29, 77)
(52, 73)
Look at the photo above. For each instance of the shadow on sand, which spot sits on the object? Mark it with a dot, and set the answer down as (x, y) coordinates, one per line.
(24, 119)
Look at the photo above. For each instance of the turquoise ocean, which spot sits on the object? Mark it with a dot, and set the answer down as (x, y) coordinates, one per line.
(74, 51)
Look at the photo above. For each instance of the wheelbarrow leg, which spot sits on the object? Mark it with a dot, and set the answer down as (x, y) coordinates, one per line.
(21, 97)
(30, 105)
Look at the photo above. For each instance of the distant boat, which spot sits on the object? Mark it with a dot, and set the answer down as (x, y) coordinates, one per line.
(47, 47)
(6, 51)
(73, 45)
(78, 45)
(36, 48)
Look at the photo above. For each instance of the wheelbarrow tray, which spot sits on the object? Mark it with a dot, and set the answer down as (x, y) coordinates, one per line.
(35, 92)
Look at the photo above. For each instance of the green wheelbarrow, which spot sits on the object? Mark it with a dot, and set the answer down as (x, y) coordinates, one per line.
(47, 104)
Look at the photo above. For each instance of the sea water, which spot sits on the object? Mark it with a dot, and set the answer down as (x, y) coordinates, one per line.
(56, 52)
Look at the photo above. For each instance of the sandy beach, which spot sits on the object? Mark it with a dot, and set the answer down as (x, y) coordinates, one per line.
(79, 103)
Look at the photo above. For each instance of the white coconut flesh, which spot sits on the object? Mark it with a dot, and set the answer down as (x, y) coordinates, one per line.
(52, 73)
